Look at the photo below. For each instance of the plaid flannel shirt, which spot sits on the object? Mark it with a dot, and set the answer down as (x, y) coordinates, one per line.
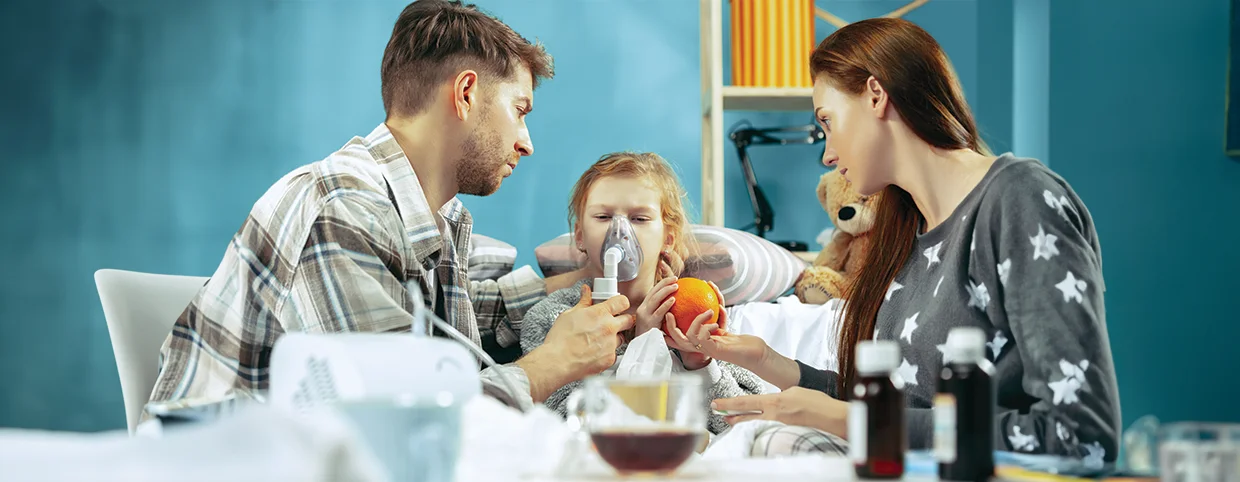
(330, 248)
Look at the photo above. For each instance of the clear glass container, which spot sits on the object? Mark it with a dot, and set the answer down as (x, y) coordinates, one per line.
(1199, 452)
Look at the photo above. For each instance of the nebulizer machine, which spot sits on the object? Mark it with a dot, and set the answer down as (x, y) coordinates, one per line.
(312, 369)
(405, 393)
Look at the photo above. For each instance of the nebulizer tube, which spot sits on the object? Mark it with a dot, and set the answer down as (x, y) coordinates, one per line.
(621, 258)
(421, 328)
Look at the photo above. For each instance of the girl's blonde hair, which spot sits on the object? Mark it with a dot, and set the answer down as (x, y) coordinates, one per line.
(654, 169)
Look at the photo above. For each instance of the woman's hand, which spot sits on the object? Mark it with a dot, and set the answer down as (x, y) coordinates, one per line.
(794, 406)
(746, 351)
(653, 310)
(692, 354)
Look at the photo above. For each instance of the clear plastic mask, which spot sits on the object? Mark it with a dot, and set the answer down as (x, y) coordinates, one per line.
(620, 234)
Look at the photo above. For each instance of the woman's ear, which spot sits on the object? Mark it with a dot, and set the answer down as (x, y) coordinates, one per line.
(578, 241)
(876, 97)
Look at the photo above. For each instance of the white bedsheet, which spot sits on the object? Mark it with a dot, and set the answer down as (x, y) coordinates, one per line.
(258, 444)
(804, 332)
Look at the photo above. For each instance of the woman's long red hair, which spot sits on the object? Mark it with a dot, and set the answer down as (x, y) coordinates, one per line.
(922, 87)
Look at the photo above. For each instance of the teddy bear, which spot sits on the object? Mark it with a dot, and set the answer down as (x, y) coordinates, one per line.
(841, 258)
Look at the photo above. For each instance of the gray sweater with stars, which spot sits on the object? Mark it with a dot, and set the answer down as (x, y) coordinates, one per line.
(1020, 259)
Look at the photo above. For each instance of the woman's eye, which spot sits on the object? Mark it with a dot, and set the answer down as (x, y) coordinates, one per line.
(641, 219)
(602, 217)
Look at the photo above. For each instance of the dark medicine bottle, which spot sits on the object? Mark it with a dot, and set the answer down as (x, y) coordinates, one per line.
(964, 409)
(876, 434)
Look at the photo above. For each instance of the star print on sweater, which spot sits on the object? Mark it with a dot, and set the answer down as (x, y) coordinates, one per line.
(978, 296)
(1021, 260)
(996, 345)
(1057, 203)
(1072, 288)
(910, 324)
(932, 254)
(1044, 245)
(1021, 441)
(893, 288)
(1073, 380)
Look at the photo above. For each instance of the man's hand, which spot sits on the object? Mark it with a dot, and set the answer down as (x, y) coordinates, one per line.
(794, 406)
(582, 342)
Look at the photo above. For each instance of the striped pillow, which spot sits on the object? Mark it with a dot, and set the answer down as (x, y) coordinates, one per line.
(489, 258)
(745, 267)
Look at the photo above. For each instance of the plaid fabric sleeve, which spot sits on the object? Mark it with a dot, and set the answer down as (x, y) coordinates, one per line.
(346, 279)
(789, 440)
(500, 305)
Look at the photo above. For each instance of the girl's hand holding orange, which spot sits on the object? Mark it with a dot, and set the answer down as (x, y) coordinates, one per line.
(698, 328)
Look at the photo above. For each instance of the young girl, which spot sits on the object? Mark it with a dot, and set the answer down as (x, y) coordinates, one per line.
(963, 238)
(643, 188)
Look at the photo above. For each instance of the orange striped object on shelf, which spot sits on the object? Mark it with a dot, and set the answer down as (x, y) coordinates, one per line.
(737, 60)
(805, 40)
(771, 42)
(746, 13)
(786, 43)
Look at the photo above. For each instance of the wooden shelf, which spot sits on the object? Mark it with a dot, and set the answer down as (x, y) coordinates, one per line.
(718, 98)
(767, 98)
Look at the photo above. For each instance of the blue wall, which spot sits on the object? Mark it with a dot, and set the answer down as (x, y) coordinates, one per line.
(1136, 125)
(139, 132)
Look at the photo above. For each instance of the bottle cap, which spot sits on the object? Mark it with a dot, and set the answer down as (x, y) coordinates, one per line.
(966, 344)
(877, 357)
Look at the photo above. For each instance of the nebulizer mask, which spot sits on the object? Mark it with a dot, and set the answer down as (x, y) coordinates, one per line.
(622, 258)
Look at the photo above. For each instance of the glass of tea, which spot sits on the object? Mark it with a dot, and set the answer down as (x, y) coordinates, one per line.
(642, 426)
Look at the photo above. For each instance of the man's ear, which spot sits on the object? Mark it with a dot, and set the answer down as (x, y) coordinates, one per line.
(876, 97)
(465, 94)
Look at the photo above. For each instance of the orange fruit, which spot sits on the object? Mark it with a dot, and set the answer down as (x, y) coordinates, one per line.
(694, 297)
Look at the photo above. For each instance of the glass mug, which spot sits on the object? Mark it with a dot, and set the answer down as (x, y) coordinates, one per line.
(642, 426)
(413, 438)
(1199, 452)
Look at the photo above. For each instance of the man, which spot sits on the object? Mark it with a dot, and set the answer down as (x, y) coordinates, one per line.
(332, 245)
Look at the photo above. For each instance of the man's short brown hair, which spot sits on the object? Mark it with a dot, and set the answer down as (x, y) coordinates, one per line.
(434, 40)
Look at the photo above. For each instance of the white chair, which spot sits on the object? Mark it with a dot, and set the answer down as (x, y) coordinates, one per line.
(140, 309)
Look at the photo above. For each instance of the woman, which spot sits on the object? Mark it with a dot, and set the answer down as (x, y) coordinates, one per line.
(643, 188)
(963, 238)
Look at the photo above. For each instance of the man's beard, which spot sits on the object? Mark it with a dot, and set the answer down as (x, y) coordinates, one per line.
(478, 169)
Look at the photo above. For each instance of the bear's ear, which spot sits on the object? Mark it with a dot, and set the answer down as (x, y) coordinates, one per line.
(841, 192)
(824, 189)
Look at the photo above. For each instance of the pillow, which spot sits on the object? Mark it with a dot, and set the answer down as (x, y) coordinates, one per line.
(805, 332)
(490, 258)
(745, 267)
